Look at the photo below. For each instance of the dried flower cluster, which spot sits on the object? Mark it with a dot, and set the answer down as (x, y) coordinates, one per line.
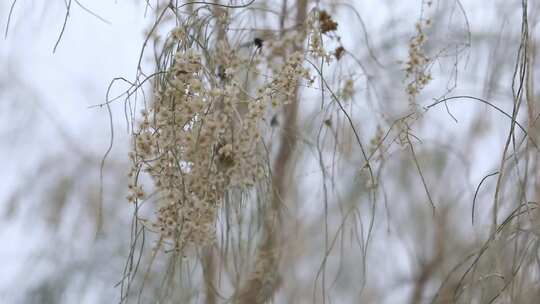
(319, 23)
(338, 52)
(281, 88)
(326, 22)
(195, 146)
(348, 90)
(200, 138)
(417, 63)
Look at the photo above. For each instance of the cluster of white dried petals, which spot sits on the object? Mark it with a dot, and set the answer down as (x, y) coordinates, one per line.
(417, 64)
(201, 136)
(281, 88)
(316, 47)
(348, 90)
(319, 23)
(194, 145)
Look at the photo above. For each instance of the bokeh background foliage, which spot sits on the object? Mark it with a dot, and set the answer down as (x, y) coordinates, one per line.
(356, 152)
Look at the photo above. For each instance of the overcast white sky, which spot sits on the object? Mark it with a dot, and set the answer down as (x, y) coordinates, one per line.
(52, 92)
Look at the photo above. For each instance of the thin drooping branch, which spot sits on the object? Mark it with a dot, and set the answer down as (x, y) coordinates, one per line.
(265, 280)
(521, 67)
(208, 258)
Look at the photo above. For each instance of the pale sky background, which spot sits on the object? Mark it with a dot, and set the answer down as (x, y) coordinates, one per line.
(45, 101)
